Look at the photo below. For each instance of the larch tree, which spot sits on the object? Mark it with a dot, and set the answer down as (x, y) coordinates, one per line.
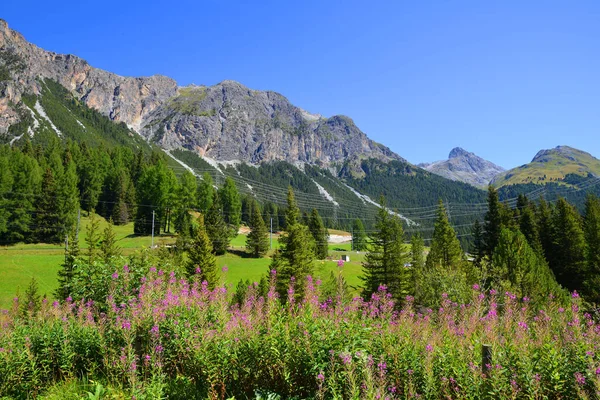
(359, 237)
(202, 263)
(319, 234)
(257, 241)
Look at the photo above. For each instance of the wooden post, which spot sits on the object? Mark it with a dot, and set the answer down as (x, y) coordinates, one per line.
(486, 359)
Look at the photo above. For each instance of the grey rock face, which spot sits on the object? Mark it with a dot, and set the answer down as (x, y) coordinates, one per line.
(227, 121)
(123, 99)
(466, 167)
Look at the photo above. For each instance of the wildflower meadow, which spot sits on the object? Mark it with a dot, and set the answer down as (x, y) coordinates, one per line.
(167, 337)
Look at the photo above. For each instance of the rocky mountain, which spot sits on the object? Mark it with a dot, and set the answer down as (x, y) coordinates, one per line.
(562, 164)
(225, 122)
(464, 166)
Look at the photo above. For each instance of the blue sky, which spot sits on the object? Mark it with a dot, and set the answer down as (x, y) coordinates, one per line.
(503, 79)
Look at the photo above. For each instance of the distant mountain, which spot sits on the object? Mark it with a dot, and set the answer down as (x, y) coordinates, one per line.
(563, 164)
(464, 166)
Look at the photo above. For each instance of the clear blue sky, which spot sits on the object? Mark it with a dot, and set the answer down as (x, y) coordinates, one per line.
(500, 78)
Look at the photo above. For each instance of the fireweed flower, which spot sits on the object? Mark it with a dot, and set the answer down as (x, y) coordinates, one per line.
(579, 378)
(340, 263)
(115, 275)
(224, 269)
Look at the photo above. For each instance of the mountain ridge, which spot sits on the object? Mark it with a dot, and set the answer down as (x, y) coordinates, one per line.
(464, 166)
(227, 121)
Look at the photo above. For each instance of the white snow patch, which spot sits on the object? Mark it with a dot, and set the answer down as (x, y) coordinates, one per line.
(38, 107)
(249, 186)
(325, 194)
(214, 164)
(36, 123)
(17, 138)
(79, 123)
(366, 199)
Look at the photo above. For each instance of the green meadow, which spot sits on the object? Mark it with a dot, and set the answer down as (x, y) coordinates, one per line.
(19, 263)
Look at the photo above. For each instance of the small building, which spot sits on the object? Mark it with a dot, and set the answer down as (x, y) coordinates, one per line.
(345, 258)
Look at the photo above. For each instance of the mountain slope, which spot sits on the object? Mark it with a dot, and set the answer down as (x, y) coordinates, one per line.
(464, 166)
(561, 164)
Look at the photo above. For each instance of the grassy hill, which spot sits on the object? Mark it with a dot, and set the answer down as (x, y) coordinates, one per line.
(554, 165)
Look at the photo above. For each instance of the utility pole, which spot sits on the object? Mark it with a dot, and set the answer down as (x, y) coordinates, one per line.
(271, 235)
(152, 246)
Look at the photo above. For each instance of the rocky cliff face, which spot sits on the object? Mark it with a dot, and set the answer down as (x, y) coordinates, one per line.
(464, 166)
(123, 99)
(225, 122)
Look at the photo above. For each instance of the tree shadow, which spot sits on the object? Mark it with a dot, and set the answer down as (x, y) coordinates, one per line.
(239, 253)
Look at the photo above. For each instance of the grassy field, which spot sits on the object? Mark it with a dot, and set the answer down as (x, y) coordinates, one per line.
(21, 262)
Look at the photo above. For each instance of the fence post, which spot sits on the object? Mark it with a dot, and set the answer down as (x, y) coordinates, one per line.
(486, 359)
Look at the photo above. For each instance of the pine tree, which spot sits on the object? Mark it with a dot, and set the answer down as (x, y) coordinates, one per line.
(445, 247)
(568, 257)
(257, 242)
(492, 222)
(92, 237)
(232, 206)
(27, 176)
(186, 202)
(295, 257)
(517, 268)
(385, 262)
(109, 248)
(319, 234)
(545, 228)
(201, 260)
(68, 271)
(216, 227)
(204, 192)
(417, 252)
(48, 225)
(67, 194)
(31, 304)
(478, 249)
(591, 227)
(528, 226)
(6, 182)
(359, 237)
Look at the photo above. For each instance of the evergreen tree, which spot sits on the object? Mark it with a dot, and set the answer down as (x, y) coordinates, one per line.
(201, 260)
(295, 257)
(492, 222)
(92, 237)
(319, 234)
(591, 226)
(6, 182)
(517, 268)
(568, 258)
(359, 237)
(385, 262)
(528, 226)
(545, 229)
(216, 227)
(31, 304)
(67, 194)
(205, 192)
(27, 176)
(66, 274)
(478, 249)
(48, 225)
(186, 202)
(417, 252)
(257, 242)
(445, 247)
(232, 206)
(109, 248)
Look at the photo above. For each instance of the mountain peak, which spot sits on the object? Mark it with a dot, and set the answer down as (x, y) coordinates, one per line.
(459, 152)
(466, 167)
